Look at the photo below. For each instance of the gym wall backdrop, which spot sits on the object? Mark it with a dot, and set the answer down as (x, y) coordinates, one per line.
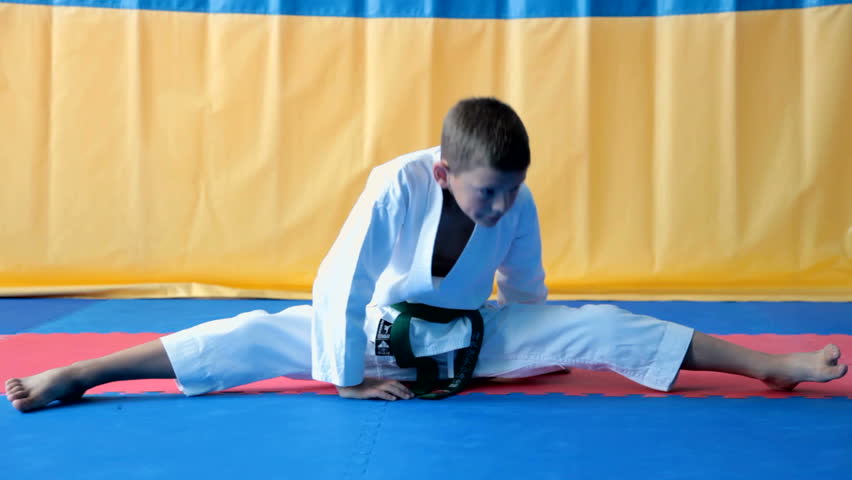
(685, 149)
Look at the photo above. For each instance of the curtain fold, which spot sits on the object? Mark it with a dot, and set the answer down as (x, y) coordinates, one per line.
(155, 150)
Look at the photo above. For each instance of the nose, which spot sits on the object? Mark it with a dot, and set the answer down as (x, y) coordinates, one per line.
(500, 203)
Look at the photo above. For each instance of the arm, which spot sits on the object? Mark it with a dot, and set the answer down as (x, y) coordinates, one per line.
(346, 281)
(520, 278)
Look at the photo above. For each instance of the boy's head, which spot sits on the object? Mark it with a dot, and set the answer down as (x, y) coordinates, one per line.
(484, 132)
(484, 158)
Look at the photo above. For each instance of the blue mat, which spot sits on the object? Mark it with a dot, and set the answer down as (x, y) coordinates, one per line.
(170, 315)
(468, 437)
(148, 315)
(25, 314)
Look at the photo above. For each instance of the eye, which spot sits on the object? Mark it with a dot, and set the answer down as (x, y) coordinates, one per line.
(486, 192)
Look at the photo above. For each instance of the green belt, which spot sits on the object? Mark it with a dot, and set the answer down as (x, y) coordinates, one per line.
(428, 386)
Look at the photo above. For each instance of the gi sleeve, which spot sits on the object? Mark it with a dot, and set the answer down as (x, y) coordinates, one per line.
(520, 278)
(346, 281)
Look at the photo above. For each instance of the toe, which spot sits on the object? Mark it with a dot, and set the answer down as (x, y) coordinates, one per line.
(17, 394)
(23, 405)
(21, 391)
(12, 382)
(832, 353)
(833, 373)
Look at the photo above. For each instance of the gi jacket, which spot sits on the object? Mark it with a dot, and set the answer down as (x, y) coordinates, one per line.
(383, 255)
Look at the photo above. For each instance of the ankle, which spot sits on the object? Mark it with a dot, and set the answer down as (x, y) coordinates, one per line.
(83, 375)
(775, 366)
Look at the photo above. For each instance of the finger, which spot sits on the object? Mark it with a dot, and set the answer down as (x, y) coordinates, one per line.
(383, 395)
(404, 388)
(397, 394)
(395, 391)
(399, 390)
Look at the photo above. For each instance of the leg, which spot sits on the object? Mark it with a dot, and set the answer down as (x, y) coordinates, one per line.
(148, 360)
(524, 340)
(779, 371)
(527, 340)
(211, 356)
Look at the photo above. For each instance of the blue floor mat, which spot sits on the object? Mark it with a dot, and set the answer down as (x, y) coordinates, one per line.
(170, 315)
(154, 315)
(467, 437)
(26, 314)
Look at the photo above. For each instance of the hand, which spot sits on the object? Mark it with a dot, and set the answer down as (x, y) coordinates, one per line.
(384, 389)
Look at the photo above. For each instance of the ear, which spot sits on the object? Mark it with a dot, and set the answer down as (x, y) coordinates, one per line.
(441, 172)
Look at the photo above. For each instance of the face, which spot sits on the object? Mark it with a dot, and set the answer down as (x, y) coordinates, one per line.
(483, 193)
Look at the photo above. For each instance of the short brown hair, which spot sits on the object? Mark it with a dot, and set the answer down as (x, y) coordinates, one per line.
(484, 132)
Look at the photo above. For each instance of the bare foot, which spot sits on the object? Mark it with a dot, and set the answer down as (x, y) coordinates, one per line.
(30, 393)
(819, 366)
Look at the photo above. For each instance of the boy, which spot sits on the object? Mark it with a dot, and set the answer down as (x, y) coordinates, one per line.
(431, 229)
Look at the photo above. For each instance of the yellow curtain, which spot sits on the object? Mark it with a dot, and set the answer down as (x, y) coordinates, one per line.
(163, 153)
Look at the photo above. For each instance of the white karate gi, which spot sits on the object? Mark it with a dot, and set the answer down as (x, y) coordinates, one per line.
(383, 255)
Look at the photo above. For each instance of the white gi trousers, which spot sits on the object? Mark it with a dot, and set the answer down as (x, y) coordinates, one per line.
(520, 341)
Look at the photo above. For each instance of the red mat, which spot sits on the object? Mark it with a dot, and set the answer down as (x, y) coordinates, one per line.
(29, 353)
